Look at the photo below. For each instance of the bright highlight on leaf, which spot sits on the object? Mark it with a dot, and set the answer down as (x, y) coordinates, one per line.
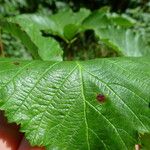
(55, 102)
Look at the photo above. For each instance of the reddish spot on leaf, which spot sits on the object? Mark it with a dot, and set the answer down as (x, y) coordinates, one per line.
(101, 98)
(16, 63)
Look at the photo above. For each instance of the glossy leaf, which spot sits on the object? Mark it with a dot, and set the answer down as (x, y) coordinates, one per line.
(57, 106)
(28, 29)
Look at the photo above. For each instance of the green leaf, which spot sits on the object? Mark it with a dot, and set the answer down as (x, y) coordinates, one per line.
(113, 30)
(70, 31)
(28, 29)
(56, 102)
(103, 18)
(121, 20)
(68, 23)
(124, 41)
(96, 20)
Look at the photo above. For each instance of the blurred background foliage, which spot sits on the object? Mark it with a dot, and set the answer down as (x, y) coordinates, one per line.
(86, 45)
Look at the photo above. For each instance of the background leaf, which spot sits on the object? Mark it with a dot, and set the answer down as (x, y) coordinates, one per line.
(113, 30)
(103, 18)
(28, 29)
(125, 41)
(56, 102)
(67, 21)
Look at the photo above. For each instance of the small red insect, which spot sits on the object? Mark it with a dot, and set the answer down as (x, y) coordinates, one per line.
(101, 98)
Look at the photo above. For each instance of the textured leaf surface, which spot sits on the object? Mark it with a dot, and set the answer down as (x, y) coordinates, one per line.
(56, 102)
(28, 29)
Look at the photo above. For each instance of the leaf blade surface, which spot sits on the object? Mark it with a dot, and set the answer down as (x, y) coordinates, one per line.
(56, 105)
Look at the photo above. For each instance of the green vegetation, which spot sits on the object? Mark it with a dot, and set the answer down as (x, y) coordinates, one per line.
(53, 94)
